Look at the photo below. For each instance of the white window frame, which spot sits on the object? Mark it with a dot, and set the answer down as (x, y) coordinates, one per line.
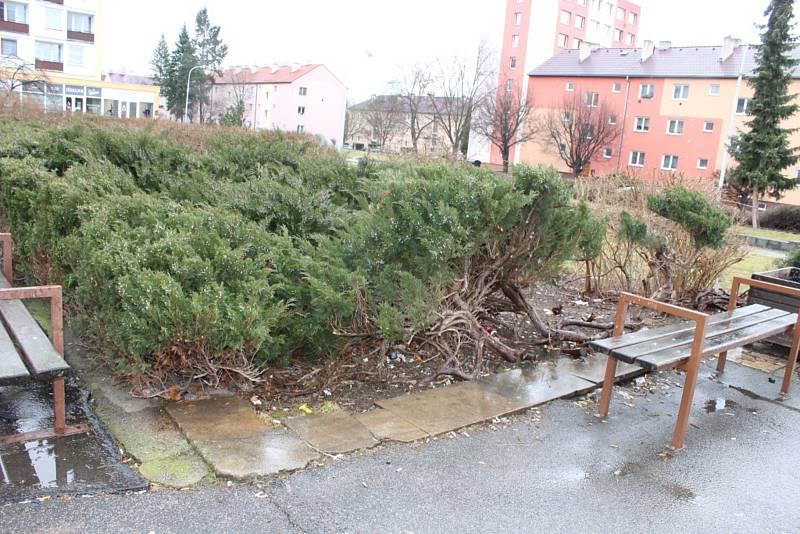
(301, 128)
(301, 110)
(706, 128)
(580, 21)
(87, 28)
(16, 6)
(636, 159)
(71, 50)
(570, 86)
(678, 124)
(745, 107)
(700, 164)
(53, 12)
(645, 124)
(621, 13)
(714, 89)
(513, 63)
(41, 44)
(563, 40)
(632, 17)
(651, 93)
(515, 41)
(630, 39)
(618, 35)
(673, 162)
(612, 120)
(565, 17)
(576, 43)
(608, 153)
(16, 46)
(517, 18)
(680, 92)
(303, 91)
(509, 85)
(592, 99)
(616, 87)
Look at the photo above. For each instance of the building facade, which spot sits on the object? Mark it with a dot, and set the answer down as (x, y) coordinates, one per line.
(56, 45)
(677, 108)
(294, 98)
(537, 29)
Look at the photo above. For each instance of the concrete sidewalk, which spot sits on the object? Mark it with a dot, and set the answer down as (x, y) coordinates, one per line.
(561, 470)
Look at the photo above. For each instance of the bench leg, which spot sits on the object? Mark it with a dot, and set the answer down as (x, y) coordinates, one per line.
(692, 369)
(59, 406)
(792, 361)
(608, 386)
(721, 361)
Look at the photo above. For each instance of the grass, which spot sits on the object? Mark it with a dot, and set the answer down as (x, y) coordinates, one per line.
(769, 234)
(752, 263)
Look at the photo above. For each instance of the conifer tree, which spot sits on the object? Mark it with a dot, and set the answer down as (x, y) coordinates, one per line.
(182, 60)
(210, 52)
(764, 152)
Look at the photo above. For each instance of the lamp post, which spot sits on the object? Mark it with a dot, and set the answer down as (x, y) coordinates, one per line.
(188, 83)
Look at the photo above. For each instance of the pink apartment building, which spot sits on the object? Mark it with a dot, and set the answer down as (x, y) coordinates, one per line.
(294, 98)
(537, 29)
(676, 107)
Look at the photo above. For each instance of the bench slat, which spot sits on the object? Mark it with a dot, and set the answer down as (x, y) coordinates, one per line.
(36, 346)
(607, 345)
(630, 353)
(719, 343)
(11, 365)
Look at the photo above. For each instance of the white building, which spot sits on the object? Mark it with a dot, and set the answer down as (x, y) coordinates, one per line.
(293, 98)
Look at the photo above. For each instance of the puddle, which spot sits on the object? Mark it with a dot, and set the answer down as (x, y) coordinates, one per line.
(716, 405)
(84, 463)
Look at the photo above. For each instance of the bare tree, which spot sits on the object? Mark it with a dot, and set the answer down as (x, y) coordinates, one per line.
(461, 88)
(413, 90)
(232, 101)
(17, 73)
(384, 117)
(504, 119)
(353, 124)
(579, 129)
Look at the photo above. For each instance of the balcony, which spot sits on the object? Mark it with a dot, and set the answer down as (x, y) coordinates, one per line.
(42, 64)
(16, 27)
(80, 36)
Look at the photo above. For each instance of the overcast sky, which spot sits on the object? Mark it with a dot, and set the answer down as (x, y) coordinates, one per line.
(364, 41)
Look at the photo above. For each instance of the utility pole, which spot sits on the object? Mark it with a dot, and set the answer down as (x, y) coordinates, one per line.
(188, 83)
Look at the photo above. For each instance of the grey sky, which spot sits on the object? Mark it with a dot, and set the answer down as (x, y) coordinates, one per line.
(364, 41)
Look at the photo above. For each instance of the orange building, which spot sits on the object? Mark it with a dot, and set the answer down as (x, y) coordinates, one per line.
(676, 107)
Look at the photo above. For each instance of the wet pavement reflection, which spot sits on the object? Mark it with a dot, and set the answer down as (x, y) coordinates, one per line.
(84, 463)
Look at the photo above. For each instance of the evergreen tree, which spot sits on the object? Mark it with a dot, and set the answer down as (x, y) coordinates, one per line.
(210, 52)
(161, 64)
(764, 151)
(182, 60)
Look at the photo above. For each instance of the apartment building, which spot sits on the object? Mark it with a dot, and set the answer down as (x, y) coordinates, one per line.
(537, 29)
(54, 47)
(294, 98)
(677, 107)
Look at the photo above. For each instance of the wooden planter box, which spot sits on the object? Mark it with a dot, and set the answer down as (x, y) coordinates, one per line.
(788, 276)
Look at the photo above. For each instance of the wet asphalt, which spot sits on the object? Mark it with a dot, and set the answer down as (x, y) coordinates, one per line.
(568, 472)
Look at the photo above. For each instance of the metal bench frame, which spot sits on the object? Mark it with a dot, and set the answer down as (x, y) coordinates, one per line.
(54, 294)
(692, 364)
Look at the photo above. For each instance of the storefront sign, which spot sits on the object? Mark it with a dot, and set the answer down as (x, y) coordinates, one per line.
(74, 90)
(55, 89)
(94, 92)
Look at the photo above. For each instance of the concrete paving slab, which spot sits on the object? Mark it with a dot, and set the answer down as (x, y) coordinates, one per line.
(593, 368)
(449, 408)
(531, 386)
(334, 433)
(267, 454)
(175, 471)
(229, 418)
(386, 426)
(757, 383)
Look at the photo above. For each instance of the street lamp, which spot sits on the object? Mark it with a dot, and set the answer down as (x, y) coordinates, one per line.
(188, 83)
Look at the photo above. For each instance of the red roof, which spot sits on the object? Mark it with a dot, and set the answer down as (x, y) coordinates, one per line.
(247, 75)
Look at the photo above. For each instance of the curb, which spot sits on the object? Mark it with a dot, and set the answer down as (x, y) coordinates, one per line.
(772, 244)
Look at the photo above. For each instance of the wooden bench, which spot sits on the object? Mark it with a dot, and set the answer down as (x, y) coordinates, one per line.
(699, 335)
(25, 350)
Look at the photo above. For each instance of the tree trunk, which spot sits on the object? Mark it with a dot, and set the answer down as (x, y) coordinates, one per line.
(755, 207)
(506, 157)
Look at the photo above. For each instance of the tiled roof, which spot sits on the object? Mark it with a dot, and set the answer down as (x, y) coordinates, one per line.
(277, 74)
(425, 104)
(132, 79)
(675, 62)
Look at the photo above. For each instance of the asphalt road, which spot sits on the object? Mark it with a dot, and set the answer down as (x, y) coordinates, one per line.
(566, 473)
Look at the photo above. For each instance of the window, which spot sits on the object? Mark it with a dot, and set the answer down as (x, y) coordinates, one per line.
(743, 106)
(616, 87)
(52, 19)
(647, 90)
(581, 2)
(565, 16)
(566, 117)
(618, 35)
(587, 131)
(607, 153)
(15, 12)
(79, 22)
(680, 91)
(642, 124)
(669, 163)
(592, 99)
(301, 110)
(513, 62)
(576, 43)
(620, 14)
(517, 19)
(637, 159)
(702, 163)
(612, 119)
(631, 17)
(630, 39)
(48, 51)
(570, 86)
(303, 91)
(708, 126)
(675, 127)
(514, 41)
(610, 8)
(8, 47)
(301, 128)
(579, 21)
(797, 174)
(75, 55)
(562, 40)
(713, 89)
(509, 85)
